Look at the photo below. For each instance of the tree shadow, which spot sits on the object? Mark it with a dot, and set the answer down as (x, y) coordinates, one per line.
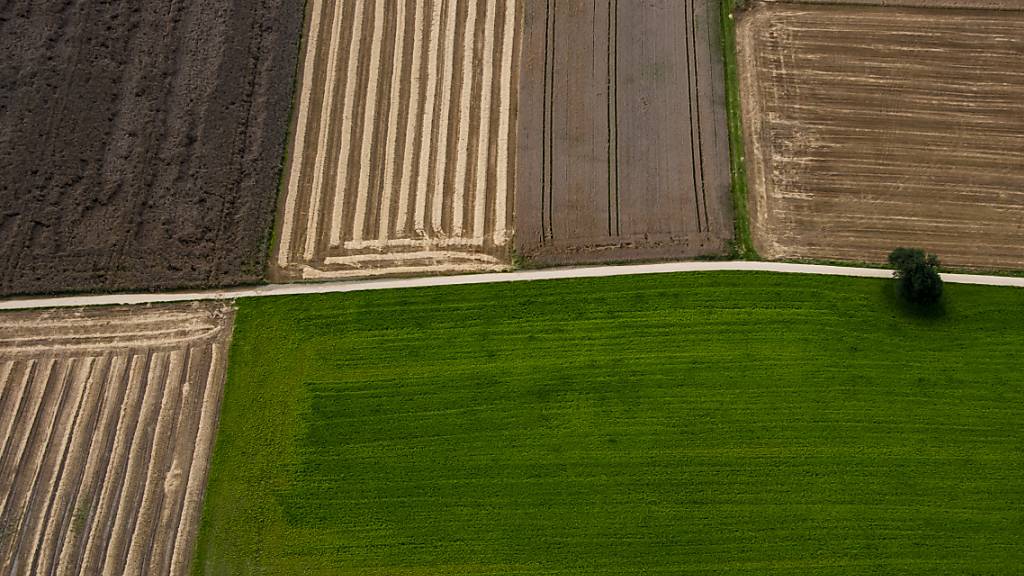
(927, 312)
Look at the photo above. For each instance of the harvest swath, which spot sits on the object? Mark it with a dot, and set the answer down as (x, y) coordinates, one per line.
(403, 140)
(623, 146)
(107, 418)
(870, 127)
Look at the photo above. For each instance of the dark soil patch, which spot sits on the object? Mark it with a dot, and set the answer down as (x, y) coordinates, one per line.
(141, 142)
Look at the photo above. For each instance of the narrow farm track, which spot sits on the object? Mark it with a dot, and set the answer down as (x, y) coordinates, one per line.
(623, 150)
(108, 420)
(340, 286)
(402, 141)
(873, 127)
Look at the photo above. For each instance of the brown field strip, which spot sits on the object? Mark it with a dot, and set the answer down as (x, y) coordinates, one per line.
(107, 420)
(403, 140)
(868, 128)
(623, 146)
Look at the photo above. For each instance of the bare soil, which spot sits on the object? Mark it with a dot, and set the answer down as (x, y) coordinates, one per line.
(141, 142)
(623, 145)
(868, 128)
(107, 420)
(403, 140)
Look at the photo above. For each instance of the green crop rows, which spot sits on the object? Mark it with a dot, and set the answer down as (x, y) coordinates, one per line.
(722, 423)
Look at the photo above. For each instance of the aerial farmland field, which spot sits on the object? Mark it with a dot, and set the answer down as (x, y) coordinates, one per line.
(869, 127)
(623, 145)
(107, 419)
(140, 142)
(403, 141)
(673, 418)
(723, 423)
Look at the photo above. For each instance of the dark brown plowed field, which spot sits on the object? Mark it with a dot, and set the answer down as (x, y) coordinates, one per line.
(869, 128)
(141, 142)
(623, 147)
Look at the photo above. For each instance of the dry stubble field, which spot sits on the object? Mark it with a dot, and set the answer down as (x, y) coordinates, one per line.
(623, 145)
(107, 419)
(870, 127)
(404, 140)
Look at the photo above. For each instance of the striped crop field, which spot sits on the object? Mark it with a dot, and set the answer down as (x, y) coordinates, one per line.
(107, 419)
(623, 144)
(403, 140)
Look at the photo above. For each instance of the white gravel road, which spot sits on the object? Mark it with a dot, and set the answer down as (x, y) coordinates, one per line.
(518, 276)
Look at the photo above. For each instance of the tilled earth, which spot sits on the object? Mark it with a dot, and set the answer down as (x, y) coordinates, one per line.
(140, 142)
(869, 127)
(623, 148)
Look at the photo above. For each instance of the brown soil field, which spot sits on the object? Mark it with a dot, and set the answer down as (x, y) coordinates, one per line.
(623, 144)
(868, 128)
(141, 142)
(403, 140)
(107, 420)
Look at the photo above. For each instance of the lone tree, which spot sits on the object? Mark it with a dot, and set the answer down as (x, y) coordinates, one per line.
(917, 274)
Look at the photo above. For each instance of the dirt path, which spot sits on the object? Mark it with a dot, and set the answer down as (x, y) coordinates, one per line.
(109, 420)
(465, 279)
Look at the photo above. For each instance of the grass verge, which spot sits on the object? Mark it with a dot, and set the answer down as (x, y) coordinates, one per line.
(743, 245)
(720, 423)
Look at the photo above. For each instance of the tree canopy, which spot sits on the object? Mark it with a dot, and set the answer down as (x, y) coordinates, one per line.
(917, 274)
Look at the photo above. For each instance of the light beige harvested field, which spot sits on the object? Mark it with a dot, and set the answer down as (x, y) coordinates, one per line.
(868, 128)
(403, 140)
(107, 419)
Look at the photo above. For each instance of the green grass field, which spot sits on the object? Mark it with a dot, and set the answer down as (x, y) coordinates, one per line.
(726, 423)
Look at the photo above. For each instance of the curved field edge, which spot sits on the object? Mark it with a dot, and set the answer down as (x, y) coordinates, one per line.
(721, 422)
